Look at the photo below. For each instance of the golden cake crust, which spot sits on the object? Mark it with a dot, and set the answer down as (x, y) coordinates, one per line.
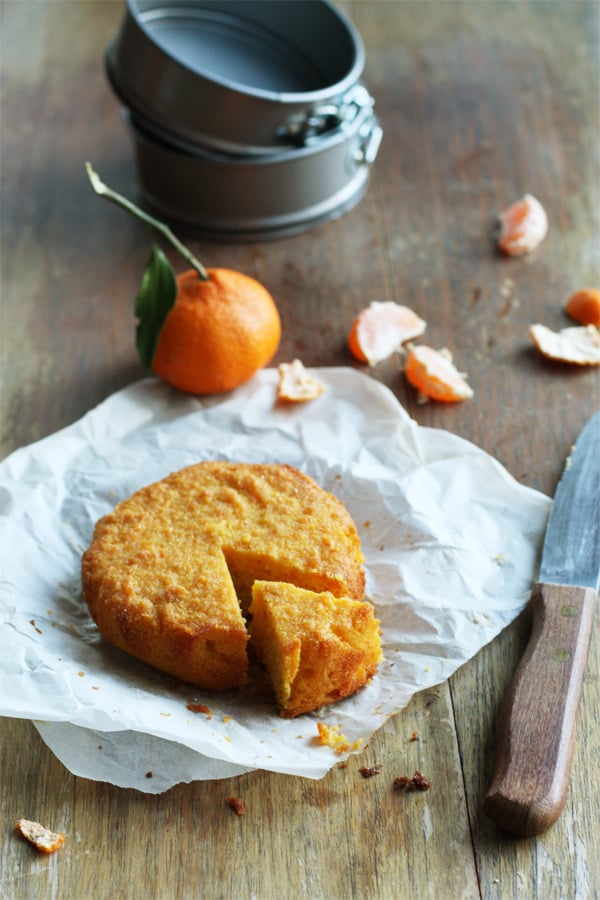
(164, 571)
(316, 648)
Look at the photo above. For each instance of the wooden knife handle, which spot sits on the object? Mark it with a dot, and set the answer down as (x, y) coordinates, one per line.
(536, 728)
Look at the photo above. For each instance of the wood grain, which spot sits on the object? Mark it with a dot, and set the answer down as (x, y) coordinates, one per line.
(479, 102)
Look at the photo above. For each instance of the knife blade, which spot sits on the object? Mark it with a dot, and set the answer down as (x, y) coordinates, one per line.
(536, 727)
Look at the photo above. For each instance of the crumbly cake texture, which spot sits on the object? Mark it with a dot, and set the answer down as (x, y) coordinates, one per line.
(168, 575)
(316, 648)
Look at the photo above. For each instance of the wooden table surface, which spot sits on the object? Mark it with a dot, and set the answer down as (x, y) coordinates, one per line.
(479, 102)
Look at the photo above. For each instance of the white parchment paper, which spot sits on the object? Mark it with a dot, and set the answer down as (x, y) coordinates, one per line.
(451, 542)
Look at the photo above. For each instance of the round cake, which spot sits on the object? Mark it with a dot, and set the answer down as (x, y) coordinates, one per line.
(168, 575)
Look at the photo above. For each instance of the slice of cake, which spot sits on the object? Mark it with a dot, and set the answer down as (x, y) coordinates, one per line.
(316, 648)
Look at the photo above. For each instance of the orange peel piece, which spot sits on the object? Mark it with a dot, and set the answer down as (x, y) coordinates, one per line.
(297, 384)
(523, 226)
(41, 838)
(579, 345)
(434, 375)
(584, 306)
(381, 329)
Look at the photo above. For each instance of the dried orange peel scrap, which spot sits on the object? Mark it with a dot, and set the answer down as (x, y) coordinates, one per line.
(297, 384)
(523, 226)
(381, 329)
(434, 375)
(579, 345)
(41, 838)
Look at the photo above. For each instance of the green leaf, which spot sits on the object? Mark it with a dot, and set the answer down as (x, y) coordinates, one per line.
(155, 298)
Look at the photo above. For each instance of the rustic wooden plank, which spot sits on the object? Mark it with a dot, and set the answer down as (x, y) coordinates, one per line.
(282, 847)
(519, 131)
(477, 109)
(478, 102)
(509, 377)
(341, 836)
(62, 306)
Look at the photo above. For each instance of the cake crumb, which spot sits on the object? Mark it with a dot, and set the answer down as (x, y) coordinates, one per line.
(331, 736)
(41, 838)
(417, 783)
(199, 708)
(369, 771)
(237, 805)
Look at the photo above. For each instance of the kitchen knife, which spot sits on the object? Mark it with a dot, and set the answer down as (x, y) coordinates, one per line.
(536, 728)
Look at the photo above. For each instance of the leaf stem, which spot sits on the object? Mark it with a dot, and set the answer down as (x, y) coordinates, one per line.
(108, 194)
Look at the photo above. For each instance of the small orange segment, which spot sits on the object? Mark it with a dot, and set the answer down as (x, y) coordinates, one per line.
(381, 329)
(297, 384)
(434, 375)
(584, 306)
(523, 226)
(218, 334)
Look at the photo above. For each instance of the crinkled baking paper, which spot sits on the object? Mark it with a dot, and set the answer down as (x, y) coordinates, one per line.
(451, 542)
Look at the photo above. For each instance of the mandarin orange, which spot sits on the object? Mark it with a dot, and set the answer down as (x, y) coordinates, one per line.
(218, 334)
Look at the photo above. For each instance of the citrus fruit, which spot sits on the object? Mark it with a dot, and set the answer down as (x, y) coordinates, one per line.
(579, 346)
(434, 375)
(584, 306)
(296, 384)
(380, 329)
(218, 333)
(523, 226)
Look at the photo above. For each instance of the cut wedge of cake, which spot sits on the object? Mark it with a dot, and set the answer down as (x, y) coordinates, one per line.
(316, 648)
